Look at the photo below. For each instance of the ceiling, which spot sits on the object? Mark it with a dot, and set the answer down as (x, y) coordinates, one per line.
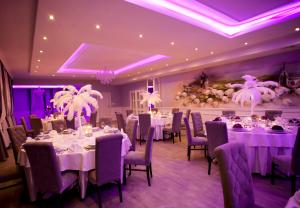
(113, 35)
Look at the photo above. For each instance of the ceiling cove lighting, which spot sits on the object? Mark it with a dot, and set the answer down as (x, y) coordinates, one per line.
(64, 68)
(205, 17)
(37, 86)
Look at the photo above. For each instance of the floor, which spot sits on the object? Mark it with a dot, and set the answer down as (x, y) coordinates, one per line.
(176, 182)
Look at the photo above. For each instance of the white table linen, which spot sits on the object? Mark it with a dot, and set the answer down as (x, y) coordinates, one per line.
(72, 155)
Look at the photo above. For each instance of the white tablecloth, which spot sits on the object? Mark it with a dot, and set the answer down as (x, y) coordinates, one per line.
(262, 146)
(158, 122)
(74, 158)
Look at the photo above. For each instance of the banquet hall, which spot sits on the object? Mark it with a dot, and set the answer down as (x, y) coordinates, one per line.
(150, 103)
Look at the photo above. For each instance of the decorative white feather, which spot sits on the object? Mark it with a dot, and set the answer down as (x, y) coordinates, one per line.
(150, 98)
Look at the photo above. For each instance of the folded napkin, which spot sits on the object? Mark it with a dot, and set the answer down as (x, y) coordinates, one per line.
(53, 133)
(75, 148)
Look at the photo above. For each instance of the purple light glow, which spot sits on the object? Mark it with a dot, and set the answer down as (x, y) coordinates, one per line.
(64, 68)
(205, 17)
(37, 86)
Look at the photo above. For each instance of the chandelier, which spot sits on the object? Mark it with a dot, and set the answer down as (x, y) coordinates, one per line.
(105, 76)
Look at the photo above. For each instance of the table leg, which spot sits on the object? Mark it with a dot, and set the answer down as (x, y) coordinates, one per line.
(83, 183)
(30, 185)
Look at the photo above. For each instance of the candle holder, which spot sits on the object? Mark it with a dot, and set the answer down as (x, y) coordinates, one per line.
(88, 131)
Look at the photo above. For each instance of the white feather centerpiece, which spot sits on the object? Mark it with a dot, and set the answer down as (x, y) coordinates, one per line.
(150, 98)
(71, 101)
(252, 91)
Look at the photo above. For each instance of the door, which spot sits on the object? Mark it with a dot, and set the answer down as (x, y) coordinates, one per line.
(104, 110)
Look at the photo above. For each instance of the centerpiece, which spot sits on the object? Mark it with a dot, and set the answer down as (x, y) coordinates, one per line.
(150, 99)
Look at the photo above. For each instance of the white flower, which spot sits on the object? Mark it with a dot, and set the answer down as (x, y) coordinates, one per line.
(286, 101)
(225, 99)
(150, 98)
(193, 97)
(196, 101)
(209, 100)
(178, 93)
(202, 104)
(266, 97)
(215, 104)
(184, 94)
(206, 92)
(220, 93)
(229, 92)
(281, 90)
(298, 91)
(177, 97)
(214, 91)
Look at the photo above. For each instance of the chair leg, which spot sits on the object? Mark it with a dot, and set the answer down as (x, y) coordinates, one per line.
(273, 173)
(99, 197)
(124, 174)
(293, 184)
(189, 153)
(205, 150)
(151, 170)
(140, 140)
(120, 190)
(179, 134)
(129, 170)
(148, 175)
(163, 136)
(173, 137)
(209, 164)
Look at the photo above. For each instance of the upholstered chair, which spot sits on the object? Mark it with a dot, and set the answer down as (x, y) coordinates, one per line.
(59, 125)
(17, 137)
(288, 164)
(129, 112)
(235, 175)
(175, 130)
(141, 158)
(175, 110)
(197, 124)
(93, 119)
(228, 113)
(187, 115)
(216, 136)
(272, 114)
(29, 132)
(47, 177)
(131, 130)
(193, 142)
(120, 121)
(144, 124)
(108, 163)
(36, 125)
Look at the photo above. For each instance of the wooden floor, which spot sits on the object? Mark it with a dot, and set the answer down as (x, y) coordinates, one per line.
(176, 183)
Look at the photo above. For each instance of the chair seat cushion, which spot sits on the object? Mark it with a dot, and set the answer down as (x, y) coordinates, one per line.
(68, 179)
(199, 141)
(284, 162)
(135, 158)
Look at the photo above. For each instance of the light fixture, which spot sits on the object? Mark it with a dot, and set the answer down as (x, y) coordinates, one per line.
(196, 49)
(211, 53)
(38, 60)
(246, 43)
(187, 59)
(151, 69)
(172, 43)
(45, 38)
(35, 71)
(167, 64)
(51, 17)
(140, 35)
(98, 27)
(53, 75)
(41, 51)
(105, 76)
(37, 86)
(297, 29)
(37, 67)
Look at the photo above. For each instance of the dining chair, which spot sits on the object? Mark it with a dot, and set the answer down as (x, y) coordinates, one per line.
(235, 175)
(141, 158)
(216, 136)
(129, 112)
(17, 137)
(93, 119)
(105, 121)
(197, 124)
(59, 125)
(193, 142)
(46, 175)
(120, 121)
(272, 114)
(131, 130)
(175, 130)
(175, 110)
(144, 124)
(10, 120)
(108, 163)
(228, 113)
(187, 115)
(36, 125)
(288, 164)
(29, 132)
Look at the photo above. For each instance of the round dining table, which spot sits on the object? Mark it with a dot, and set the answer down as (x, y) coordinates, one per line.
(74, 151)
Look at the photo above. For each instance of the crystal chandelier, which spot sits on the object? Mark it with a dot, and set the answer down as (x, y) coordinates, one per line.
(105, 76)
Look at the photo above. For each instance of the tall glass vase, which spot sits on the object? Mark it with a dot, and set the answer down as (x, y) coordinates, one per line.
(80, 130)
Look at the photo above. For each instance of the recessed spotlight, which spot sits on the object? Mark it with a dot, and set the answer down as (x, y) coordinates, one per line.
(141, 36)
(51, 17)
(196, 49)
(211, 53)
(128, 75)
(246, 43)
(187, 59)
(35, 71)
(37, 67)
(172, 43)
(98, 27)
(138, 72)
(39, 60)
(167, 64)
(53, 75)
(297, 29)
(73, 75)
(41, 51)
(45, 38)
(151, 69)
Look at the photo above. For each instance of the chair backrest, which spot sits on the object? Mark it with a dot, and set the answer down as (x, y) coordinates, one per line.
(23, 122)
(188, 131)
(70, 124)
(36, 125)
(271, 114)
(59, 125)
(108, 158)
(149, 144)
(131, 130)
(144, 124)
(93, 119)
(174, 110)
(129, 112)
(296, 155)
(228, 113)
(235, 175)
(197, 124)
(216, 135)
(176, 123)
(17, 137)
(44, 167)
(188, 113)
(120, 121)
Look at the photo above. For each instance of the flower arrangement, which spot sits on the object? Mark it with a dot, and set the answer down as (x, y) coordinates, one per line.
(150, 98)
